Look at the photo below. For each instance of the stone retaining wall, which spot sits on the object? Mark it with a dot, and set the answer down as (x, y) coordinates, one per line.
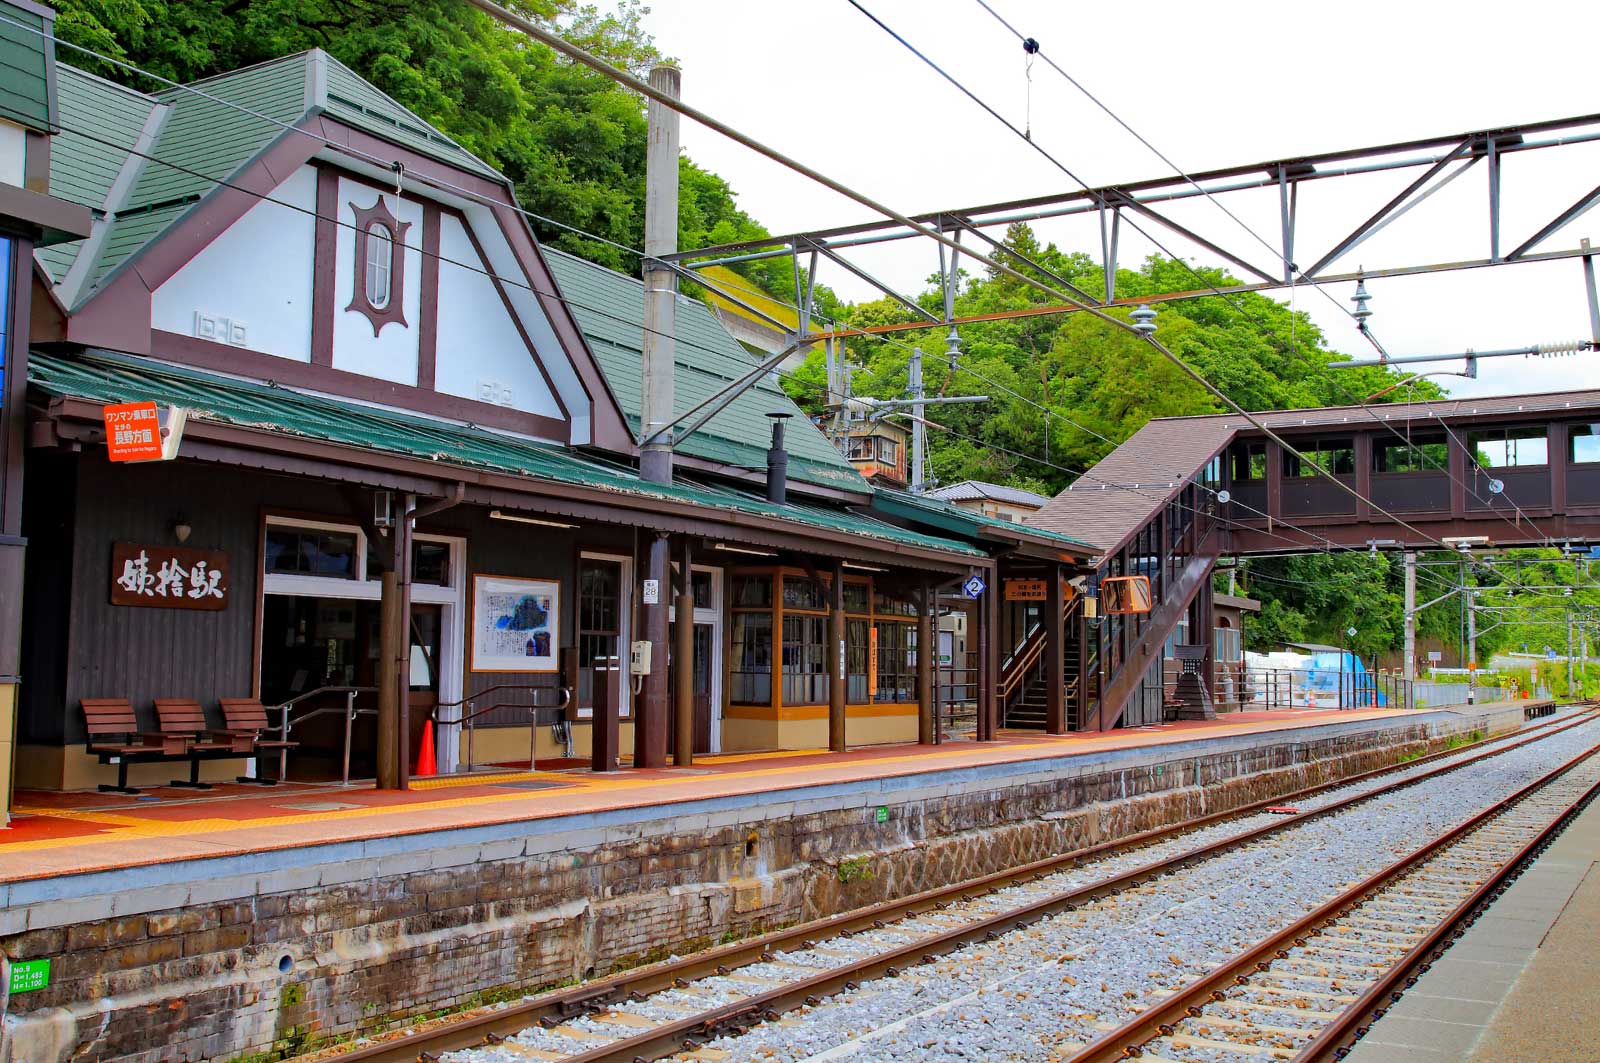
(255, 966)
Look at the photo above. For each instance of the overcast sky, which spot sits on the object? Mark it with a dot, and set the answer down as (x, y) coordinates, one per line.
(1210, 86)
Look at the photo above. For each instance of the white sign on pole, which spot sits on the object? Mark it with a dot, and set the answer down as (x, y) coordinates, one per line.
(652, 592)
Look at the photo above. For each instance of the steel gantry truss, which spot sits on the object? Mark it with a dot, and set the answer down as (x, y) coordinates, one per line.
(1437, 162)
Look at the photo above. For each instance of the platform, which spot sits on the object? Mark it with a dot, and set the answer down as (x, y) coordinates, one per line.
(56, 834)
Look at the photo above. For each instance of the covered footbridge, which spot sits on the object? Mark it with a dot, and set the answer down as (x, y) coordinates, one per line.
(1182, 492)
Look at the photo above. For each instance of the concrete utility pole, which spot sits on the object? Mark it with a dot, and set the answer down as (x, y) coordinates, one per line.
(656, 385)
(1411, 617)
(660, 283)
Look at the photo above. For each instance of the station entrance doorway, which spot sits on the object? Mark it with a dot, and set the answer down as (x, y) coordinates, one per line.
(321, 655)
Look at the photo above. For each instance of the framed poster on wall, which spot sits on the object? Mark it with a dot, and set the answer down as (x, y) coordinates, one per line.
(516, 624)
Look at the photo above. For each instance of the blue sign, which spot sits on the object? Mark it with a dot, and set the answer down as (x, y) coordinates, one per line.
(1550, 653)
(973, 587)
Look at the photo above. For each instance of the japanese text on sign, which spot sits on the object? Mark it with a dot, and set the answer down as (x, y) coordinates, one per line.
(171, 577)
(133, 432)
(1025, 590)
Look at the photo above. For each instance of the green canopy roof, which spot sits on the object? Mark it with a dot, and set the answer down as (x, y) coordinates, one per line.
(107, 378)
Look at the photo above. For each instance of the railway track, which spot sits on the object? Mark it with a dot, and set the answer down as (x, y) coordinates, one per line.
(1306, 993)
(676, 1007)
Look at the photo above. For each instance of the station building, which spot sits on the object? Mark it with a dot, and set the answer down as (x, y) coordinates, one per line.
(402, 411)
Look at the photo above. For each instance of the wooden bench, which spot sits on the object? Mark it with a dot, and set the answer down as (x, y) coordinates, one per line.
(114, 736)
(184, 718)
(246, 718)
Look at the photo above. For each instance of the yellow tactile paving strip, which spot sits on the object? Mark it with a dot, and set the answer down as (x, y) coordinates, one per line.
(125, 834)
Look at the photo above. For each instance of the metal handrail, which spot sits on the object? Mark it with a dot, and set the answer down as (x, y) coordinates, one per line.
(285, 724)
(472, 714)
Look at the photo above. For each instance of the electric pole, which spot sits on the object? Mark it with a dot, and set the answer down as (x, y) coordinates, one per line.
(656, 384)
(660, 283)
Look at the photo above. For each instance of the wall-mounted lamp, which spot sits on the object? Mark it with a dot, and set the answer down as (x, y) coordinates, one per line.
(181, 529)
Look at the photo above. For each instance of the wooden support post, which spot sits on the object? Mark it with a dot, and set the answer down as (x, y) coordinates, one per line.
(683, 662)
(606, 687)
(650, 716)
(1055, 682)
(987, 612)
(400, 663)
(389, 633)
(926, 651)
(837, 674)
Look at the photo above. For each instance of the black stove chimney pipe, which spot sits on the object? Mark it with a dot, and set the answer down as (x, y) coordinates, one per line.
(778, 461)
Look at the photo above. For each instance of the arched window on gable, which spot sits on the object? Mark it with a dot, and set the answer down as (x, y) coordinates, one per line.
(380, 264)
(378, 291)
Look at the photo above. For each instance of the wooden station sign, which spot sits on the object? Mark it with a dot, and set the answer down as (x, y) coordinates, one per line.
(170, 577)
(1026, 590)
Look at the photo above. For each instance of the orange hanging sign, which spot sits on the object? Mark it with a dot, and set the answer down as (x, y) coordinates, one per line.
(133, 432)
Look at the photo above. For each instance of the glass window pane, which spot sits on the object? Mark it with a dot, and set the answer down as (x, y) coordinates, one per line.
(1584, 444)
(330, 554)
(430, 563)
(380, 258)
(856, 596)
(752, 659)
(753, 590)
(700, 587)
(802, 593)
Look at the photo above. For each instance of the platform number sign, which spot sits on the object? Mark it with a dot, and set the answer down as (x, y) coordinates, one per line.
(973, 587)
(30, 975)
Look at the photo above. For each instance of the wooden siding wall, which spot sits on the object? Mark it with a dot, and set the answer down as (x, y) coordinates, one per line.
(78, 645)
(143, 654)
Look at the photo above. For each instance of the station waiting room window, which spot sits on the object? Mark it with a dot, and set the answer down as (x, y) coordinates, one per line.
(313, 552)
(1337, 456)
(1250, 462)
(1423, 452)
(1504, 448)
(1583, 444)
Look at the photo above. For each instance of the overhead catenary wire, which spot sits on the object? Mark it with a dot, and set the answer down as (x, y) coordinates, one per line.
(1182, 365)
(1033, 47)
(523, 284)
(448, 186)
(531, 288)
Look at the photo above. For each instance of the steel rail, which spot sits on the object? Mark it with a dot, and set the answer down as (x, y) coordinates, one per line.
(1130, 1039)
(1347, 1028)
(551, 1008)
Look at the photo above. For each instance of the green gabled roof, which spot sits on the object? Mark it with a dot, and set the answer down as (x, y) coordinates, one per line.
(27, 50)
(937, 513)
(352, 100)
(106, 378)
(212, 130)
(100, 124)
(609, 307)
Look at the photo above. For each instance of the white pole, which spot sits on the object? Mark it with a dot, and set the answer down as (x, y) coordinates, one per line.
(660, 283)
(1411, 617)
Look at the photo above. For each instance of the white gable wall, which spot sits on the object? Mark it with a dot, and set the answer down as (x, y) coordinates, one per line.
(257, 273)
(503, 261)
(478, 343)
(392, 354)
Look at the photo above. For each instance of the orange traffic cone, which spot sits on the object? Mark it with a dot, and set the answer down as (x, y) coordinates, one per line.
(425, 758)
